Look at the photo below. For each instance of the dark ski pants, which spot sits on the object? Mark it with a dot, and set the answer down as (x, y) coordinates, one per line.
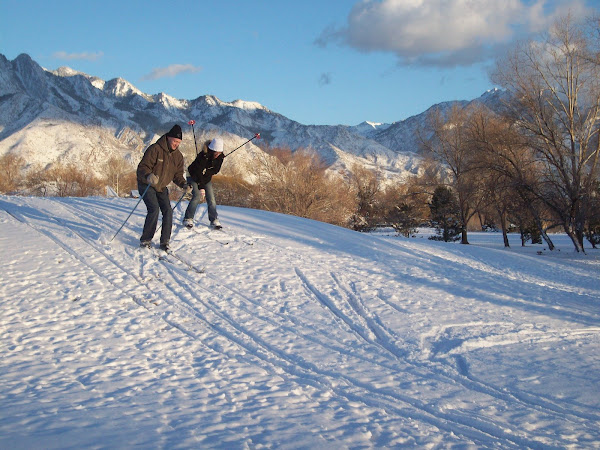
(156, 201)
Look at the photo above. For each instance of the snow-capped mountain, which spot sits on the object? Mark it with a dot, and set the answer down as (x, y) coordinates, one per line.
(68, 116)
(369, 129)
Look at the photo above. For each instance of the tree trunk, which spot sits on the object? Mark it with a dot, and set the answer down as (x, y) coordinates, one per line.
(547, 239)
(540, 226)
(574, 238)
(504, 228)
(464, 239)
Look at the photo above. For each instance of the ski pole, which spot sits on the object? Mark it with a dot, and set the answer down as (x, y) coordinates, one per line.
(192, 122)
(256, 136)
(134, 208)
(179, 201)
(174, 208)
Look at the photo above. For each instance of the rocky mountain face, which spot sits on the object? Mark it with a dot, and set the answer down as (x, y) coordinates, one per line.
(68, 116)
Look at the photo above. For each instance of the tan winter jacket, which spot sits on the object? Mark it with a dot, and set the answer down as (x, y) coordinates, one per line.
(165, 164)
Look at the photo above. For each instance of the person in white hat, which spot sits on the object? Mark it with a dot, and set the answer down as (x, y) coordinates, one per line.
(207, 163)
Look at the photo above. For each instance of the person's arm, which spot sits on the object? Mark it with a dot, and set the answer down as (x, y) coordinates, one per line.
(147, 163)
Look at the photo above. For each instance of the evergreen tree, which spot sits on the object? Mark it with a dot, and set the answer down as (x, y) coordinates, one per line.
(404, 219)
(445, 214)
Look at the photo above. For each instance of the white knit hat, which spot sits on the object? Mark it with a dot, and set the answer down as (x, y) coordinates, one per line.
(216, 145)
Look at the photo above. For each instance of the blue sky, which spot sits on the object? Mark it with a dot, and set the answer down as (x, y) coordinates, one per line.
(323, 62)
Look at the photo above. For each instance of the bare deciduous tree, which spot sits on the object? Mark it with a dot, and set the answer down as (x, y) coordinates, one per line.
(509, 170)
(116, 170)
(450, 145)
(11, 172)
(555, 89)
(297, 183)
(64, 181)
(232, 190)
(365, 186)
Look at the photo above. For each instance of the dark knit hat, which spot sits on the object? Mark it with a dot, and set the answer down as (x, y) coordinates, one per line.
(175, 132)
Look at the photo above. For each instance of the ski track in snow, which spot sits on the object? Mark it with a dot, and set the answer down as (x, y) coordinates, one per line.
(342, 329)
(443, 344)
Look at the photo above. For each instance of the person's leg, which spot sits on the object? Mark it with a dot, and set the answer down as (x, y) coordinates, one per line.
(167, 216)
(190, 211)
(211, 203)
(151, 202)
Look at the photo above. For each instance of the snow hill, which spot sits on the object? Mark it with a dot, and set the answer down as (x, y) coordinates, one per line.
(68, 116)
(298, 335)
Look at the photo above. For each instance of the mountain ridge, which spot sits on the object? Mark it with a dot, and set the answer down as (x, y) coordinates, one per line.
(82, 112)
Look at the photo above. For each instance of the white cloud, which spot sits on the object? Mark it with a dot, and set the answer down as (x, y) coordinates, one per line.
(85, 55)
(171, 71)
(443, 32)
(538, 19)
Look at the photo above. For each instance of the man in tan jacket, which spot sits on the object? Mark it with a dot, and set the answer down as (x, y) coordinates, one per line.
(162, 163)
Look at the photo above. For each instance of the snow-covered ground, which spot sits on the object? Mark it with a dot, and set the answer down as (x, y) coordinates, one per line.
(298, 335)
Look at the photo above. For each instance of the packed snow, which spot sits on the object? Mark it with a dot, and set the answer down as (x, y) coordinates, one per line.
(298, 334)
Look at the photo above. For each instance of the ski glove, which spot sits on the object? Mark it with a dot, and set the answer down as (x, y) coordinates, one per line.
(188, 189)
(152, 179)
